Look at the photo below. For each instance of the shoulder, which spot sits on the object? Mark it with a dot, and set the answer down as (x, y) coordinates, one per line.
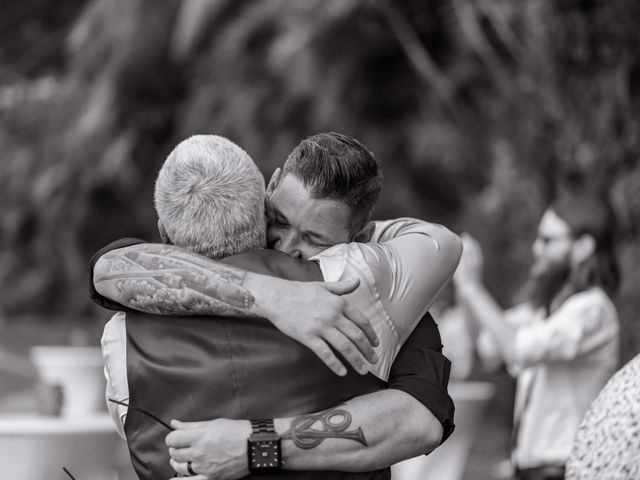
(591, 296)
(272, 262)
(115, 245)
(593, 301)
(366, 261)
(591, 309)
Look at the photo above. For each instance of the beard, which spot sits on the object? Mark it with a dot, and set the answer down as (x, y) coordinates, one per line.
(544, 283)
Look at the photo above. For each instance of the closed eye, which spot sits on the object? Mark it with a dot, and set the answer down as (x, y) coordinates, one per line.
(314, 241)
(276, 218)
(280, 222)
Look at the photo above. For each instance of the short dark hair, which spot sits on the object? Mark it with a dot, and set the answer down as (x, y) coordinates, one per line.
(339, 167)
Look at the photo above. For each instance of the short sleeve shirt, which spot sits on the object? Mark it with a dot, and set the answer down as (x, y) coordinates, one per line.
(401, 271)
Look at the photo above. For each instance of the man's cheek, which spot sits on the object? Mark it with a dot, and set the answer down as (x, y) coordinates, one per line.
(309, 251)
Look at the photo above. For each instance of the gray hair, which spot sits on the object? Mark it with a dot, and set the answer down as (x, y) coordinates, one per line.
(209, 197)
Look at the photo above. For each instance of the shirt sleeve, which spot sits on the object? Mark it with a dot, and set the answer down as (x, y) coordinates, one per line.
(583, 323)
(422, 371)
(93, 294)
(402, 270)
(411, 261)
(114, 354)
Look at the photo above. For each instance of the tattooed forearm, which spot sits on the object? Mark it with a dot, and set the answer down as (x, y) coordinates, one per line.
(309, 431)
(167, 280)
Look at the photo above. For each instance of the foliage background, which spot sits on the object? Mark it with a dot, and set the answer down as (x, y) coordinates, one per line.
(477, 109)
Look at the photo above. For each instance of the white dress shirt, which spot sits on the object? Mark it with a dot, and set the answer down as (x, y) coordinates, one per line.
(561, 364)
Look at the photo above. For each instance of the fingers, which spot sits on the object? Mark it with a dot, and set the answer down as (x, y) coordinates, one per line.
(357, 317)
(179, 439)
(177, 424)
(181, 468)
(181, 454)
(322, 350)
(343, 286)
(471, 252)
(470, 244)
(359, 339)
(465, 237)
(347, 349)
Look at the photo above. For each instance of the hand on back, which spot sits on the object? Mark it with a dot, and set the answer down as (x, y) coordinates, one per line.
(317, 315)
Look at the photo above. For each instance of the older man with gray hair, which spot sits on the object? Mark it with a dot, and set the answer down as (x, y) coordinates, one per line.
(224, 368)
(209, 197)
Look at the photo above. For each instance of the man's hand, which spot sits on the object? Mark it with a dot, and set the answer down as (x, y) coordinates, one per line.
(316, 315)
(469, 270)
(217, 449)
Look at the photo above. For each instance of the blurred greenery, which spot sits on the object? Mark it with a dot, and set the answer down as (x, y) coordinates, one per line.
(478, 110)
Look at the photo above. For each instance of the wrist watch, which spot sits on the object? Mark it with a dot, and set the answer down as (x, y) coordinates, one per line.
(263, 448)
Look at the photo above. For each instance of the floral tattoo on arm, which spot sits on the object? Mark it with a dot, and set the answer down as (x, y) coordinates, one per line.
(165, 279)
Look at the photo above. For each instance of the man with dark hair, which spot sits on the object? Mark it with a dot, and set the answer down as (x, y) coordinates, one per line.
(395, 293)
(336, 166)
(328, 167)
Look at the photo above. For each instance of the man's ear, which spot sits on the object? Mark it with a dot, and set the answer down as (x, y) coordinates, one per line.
(273, 182)
(365, 234)
(163, 233)
(584, 247)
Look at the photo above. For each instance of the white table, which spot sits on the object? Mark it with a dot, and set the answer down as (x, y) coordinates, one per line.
(36, 448)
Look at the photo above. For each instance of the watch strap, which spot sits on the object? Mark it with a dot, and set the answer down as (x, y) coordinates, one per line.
(263, 426)
(263, 448)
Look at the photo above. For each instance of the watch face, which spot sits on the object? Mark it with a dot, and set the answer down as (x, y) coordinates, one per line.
(264, 454)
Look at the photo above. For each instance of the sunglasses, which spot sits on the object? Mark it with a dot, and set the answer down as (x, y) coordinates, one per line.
(137, 409)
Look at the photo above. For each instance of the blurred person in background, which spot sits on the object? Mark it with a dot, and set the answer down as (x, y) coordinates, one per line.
(562, 343)
(400, 244)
